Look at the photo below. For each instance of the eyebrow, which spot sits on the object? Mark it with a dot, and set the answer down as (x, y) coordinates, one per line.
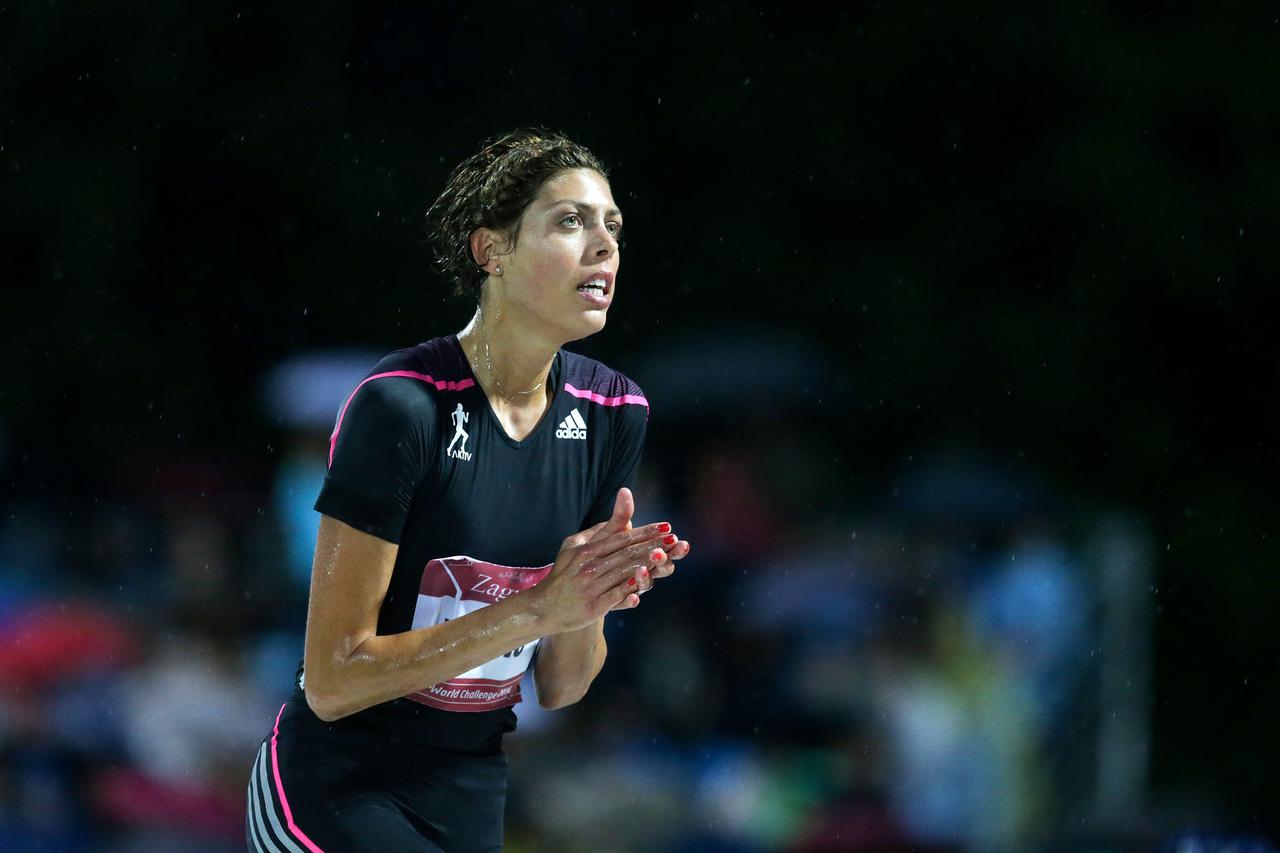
(589, 208)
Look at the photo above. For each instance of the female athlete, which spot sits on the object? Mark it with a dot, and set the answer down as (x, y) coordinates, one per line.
(476, 521)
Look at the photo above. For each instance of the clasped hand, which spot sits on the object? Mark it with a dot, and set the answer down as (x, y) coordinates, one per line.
(606, 567)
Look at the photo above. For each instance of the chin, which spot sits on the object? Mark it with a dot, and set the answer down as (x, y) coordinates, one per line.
(588, 325)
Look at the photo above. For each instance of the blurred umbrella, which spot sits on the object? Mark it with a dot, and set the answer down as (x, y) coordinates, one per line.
(305, 392)
(50, 643)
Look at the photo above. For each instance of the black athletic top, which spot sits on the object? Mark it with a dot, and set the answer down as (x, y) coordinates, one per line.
(418, 458)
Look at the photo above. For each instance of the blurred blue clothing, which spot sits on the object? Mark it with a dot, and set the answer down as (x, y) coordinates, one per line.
(298, 481)
(1035, 606)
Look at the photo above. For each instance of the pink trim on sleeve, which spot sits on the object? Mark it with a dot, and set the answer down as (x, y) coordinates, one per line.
(440, 384)
(634, 399)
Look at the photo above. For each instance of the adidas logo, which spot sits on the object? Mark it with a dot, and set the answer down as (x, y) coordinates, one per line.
(572, 427)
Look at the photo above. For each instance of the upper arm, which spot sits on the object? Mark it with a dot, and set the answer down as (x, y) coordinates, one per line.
(381, 453)
(349, 579)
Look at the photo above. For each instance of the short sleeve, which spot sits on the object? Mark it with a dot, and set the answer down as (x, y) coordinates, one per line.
(380, 456)
(624, 464)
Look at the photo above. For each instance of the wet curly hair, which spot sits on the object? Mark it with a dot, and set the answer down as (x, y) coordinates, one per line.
(492, 189)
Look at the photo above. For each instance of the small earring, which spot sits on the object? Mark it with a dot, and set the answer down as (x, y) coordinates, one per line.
(497, 270)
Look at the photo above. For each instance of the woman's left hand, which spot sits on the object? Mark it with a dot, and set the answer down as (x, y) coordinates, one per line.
(624, 508)
(645, 577)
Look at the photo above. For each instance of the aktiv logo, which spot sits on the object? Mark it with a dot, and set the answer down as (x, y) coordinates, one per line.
(459, 416)
(572, 427)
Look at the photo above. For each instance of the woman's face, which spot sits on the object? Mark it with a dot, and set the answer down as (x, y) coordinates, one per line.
(562, 272)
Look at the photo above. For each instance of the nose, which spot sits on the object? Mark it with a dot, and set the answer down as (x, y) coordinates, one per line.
(605, 243)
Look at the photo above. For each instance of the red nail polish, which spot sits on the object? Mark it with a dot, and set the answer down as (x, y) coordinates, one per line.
(644, 572)
(664, 528)
(669, 540)
(631, 581)
(657, 556)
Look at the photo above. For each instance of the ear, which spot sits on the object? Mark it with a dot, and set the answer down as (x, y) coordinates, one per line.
(485, 246)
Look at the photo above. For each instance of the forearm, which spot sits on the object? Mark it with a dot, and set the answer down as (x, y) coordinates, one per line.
(568, 663)
(381, 668)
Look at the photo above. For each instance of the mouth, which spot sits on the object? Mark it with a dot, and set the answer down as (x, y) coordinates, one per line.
(599, 285)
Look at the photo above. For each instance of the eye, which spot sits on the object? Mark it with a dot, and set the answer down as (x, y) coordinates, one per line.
(615, 228)
(577, 220)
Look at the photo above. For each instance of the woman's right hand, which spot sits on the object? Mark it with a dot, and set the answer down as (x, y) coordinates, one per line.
(595, 573)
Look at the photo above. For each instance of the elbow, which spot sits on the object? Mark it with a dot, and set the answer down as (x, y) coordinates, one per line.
(323, 708)
(555, 703)
(556, 691)
(553, 700)
(325, 704)
(326, 689)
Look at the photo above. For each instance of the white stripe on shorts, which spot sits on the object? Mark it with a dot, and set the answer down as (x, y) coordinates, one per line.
(262, 801)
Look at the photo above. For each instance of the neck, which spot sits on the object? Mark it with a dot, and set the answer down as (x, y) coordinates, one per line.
(511, 362)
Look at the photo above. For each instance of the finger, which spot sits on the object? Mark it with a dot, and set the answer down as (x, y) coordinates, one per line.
(637, 562)
(667, 567)
(641, 554)
(627, 603)
(603, 545)
(622, 594)
(618, 575)
(624, 507)
(639, 577)
(678, 551)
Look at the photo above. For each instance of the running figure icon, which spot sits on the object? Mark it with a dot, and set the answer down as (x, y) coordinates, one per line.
(459, 417)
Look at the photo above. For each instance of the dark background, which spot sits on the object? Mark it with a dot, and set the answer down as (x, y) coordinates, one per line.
(1043, 235)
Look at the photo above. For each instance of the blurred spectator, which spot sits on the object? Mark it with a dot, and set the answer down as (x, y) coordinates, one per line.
(821, 677)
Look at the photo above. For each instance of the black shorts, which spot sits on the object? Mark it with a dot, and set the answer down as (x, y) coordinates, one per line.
(327, 788)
